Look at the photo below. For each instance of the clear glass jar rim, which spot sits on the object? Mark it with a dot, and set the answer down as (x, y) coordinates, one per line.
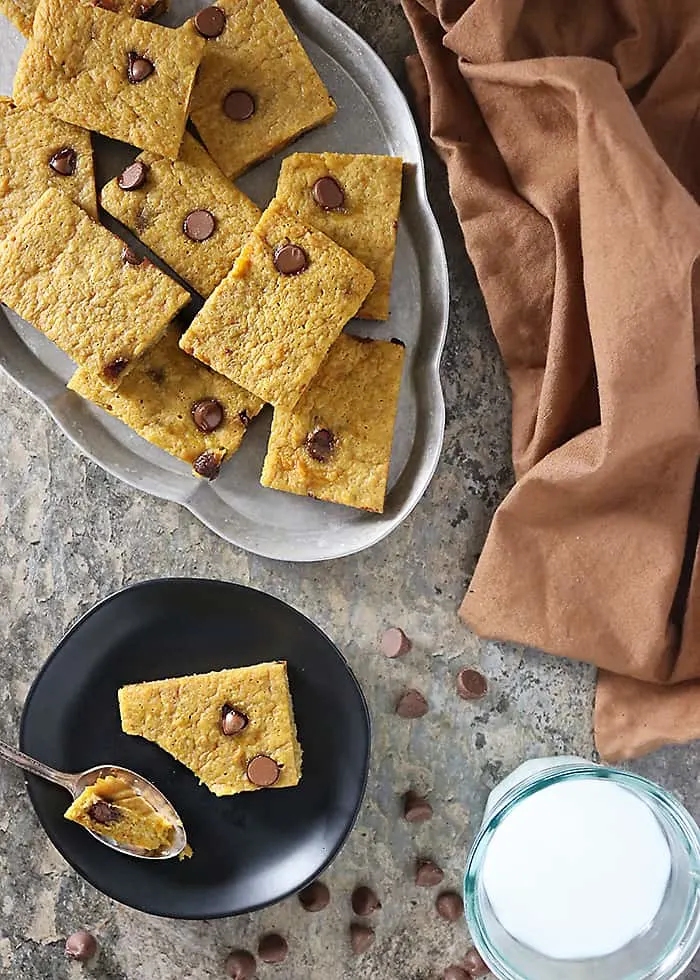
(534, 784)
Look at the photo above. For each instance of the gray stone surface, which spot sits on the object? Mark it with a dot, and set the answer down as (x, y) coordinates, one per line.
(69, 534)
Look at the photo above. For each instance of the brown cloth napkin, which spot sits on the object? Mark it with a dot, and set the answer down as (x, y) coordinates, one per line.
(571, 134)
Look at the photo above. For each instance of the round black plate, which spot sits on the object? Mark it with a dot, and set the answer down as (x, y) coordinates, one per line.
(250, 850)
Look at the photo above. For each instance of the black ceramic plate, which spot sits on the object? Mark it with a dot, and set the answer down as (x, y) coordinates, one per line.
(251, 850)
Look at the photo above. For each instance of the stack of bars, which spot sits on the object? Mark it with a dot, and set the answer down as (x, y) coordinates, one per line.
(278, 287)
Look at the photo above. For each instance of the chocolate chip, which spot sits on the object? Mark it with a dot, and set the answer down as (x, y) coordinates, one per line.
(395, 340)
(455, 973)
(81, 946)
(244, 417)
(138, 68)
(449, 906)
(233, 721)
(328, 194)
(133, 176)
(364, 901)
(130, 257)
(273, 948)
(320, 444)
(290, 260)
(315, 897)
(240, 965)
(208, 414)
(147, 10)
(416, 809)
(471, 684)
(208, 465)
(199, 225)
(428, 874)
(395, 643)
(474, 965)
(239, 105)
(115, 368)
(64, 162)
(361, 938)
(411, 704)
(263, 771)
(210, 22)
(104, 813)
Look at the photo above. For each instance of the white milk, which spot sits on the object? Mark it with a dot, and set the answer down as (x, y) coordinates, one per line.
(578, 869)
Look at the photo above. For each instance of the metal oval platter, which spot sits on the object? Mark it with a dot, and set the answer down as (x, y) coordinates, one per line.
(372, 117)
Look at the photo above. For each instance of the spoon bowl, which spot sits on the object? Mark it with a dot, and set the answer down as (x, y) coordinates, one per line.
(76, 783)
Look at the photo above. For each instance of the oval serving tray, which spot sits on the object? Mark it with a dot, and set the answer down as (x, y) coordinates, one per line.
(372, 117)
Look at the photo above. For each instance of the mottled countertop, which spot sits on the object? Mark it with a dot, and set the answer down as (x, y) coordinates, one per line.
(70, 534)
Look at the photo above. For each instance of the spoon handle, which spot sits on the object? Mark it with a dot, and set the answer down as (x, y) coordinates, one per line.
(17, 758)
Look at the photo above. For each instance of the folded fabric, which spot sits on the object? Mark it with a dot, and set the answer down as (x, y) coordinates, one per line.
(571, 135)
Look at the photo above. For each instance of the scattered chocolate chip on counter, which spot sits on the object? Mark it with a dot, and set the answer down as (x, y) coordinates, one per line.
(81, 946)
(263, 771)
(471, 685)
(411, 704)
(273, 948)
(474, 965)
(361, 938)
(232, 720)
(208, 414)
(364, 901)
(315, 897)
(428, 874)
(449, 906)
(64, 162)
(328, 194)
(240, 965)
(210, 22)
(416, 809)
(290, 260)
(239, 105)
(133, 176)
(395, 643)
(455, 973)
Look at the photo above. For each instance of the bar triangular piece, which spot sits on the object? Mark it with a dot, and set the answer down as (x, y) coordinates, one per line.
(38, 151)
(233, 728)
(75, 281)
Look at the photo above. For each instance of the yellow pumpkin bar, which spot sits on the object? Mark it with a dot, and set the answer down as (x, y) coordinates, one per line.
(21, 12)
(72, 279)
(177, 404)
(257, 89)
(104, 71)
(192, 216)
(335, 444)
(38, 151)
(270, 322)
(353, 198)
(233, 728)
(111, 807)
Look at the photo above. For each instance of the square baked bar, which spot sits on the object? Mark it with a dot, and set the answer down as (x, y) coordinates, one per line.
(37, 152)
(72, 279)
(257, 89)
(244, 738)
(21, 12)
(354, 199)
(271, 321)
(192, 216)
(121, 77)
(336, 443)
(177, 404)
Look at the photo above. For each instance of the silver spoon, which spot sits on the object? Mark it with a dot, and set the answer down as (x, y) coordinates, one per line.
(76, 783)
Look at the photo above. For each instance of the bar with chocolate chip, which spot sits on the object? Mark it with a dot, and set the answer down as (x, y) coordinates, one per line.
(335, 444)
(354, 198)
(21, 12)
(228, 758)
(257, 89)
(104, 71)
(192, 216)
(177, 404)
(38, 151)
(269, 324)
(67, 276)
